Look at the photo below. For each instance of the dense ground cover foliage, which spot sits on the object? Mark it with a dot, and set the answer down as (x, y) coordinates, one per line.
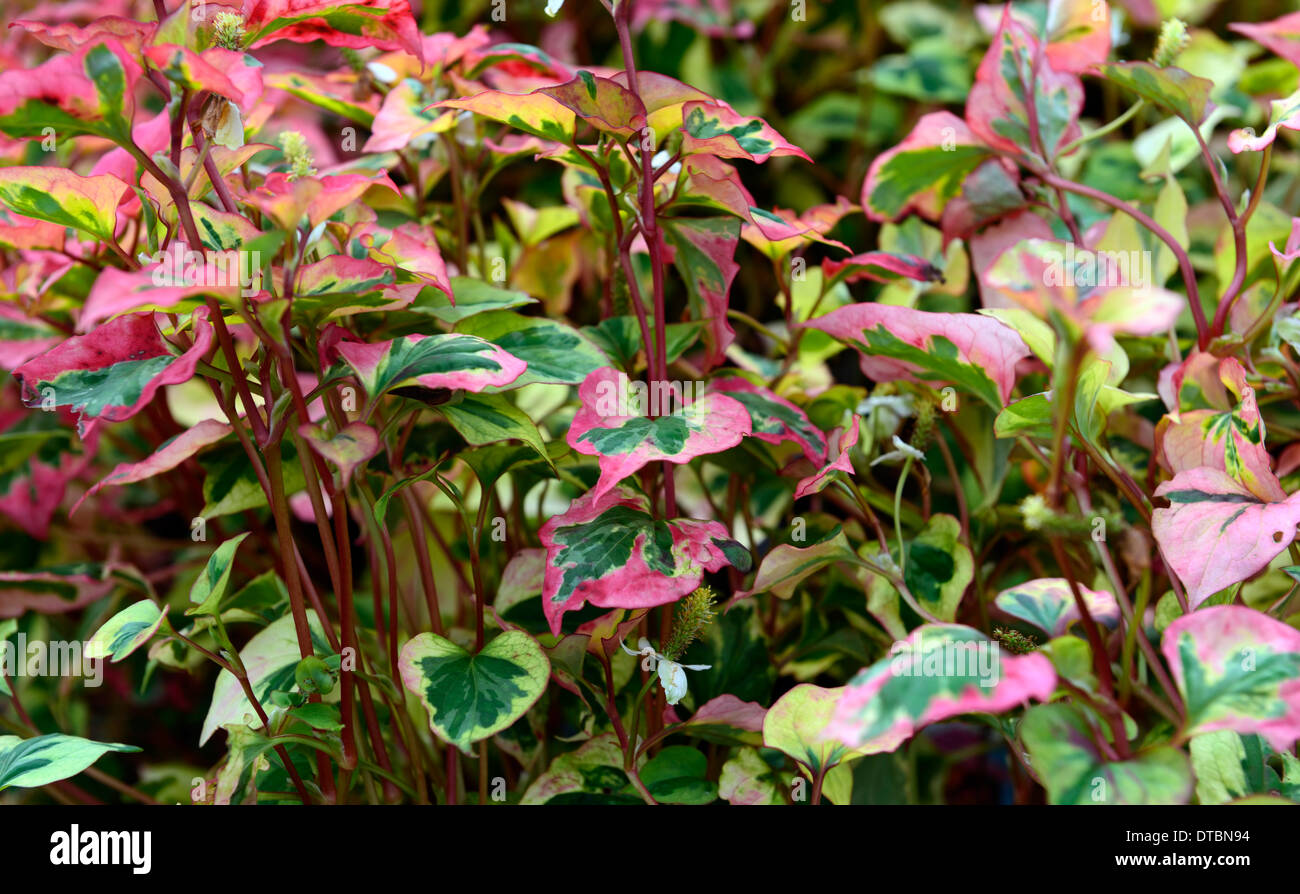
(655, 401)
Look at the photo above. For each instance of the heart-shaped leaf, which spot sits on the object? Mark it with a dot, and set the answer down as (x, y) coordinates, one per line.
(679, 775)
(1237, 669)
(628, 424)
(799, 724)
(355, 443)
(1065, 755)
(606, 105)
(940, 671)
(610, 550)
(1049, 605)
(270, 659)
(471, 696)
(1216, 533)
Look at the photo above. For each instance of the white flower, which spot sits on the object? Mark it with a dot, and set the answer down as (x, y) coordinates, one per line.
(902, 450)
(900, 405)
(672, 676)
(884, 414)
(553, 6)
(382, 73)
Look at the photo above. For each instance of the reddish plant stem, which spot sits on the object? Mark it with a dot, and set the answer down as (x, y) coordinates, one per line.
(650, 230)
(346, 676)
(1239, 223)
(1184, 262)
(420, 544)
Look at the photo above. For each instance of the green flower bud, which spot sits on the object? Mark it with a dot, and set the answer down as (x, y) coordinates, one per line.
(296, 153)
(1173, 38)
(1014, 641)
(923, 431)
(694, 613)
(313, 676)
(228, 31)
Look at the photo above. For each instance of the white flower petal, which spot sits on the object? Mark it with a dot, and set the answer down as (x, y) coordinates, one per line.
(673, 679)
(907, 449)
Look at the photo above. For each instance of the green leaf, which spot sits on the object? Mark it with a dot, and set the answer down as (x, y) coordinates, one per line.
(593, 774)
(488, 418)
(318, 716)
(747, 779)
(1065, 756)
(1218, 760)
(787, 565)
(230, 484)
(126, 631)
(210, 586)
(270, 659)
(31, 763)
(932, 71)
(470, 697)
(473, 296)
(678, 775)
(1173, 89)
(1032, 416)
(88, 204)
(797, 723)
(555, 352)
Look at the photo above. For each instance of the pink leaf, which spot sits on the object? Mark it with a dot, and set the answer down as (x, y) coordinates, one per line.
(1216, 533)
(160, 286)
(773, 418)
(839, 445)
(628, 424)
(113, 372)
(1280, 36)
(1016, 67)
(1231, 442)
(357, 24)
(164, 459)
(901, 343)
(920, 683)
(1237, 669)
(924, 171)
(607, 549)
